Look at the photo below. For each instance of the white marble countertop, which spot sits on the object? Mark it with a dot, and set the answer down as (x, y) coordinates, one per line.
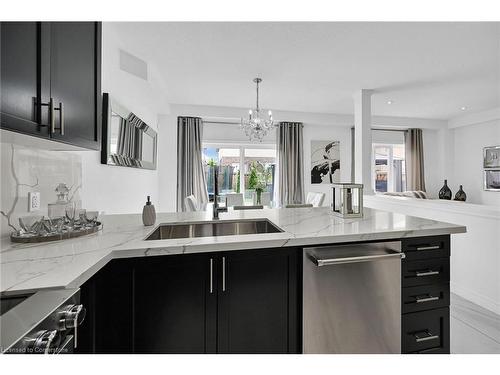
(69, 263)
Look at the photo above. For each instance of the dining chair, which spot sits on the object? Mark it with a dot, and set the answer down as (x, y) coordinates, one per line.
(234, 199)
(191, 203)
(316, 199)
(300, 205)
(254, 207)
(265, 198)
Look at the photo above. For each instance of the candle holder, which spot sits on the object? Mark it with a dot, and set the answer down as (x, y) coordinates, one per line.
(347, 200)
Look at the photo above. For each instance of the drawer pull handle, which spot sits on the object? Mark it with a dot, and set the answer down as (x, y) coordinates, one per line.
(426, 273)
(426, 299)
(424, 336)
(435, 247)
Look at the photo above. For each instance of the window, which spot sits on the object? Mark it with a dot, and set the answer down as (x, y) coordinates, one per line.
(259, 166)
(389, 172)
(241, 169)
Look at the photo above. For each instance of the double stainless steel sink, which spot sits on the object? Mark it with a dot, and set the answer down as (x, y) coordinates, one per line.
(213, 229)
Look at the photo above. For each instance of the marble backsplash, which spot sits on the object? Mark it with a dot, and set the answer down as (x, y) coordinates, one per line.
(25, 170)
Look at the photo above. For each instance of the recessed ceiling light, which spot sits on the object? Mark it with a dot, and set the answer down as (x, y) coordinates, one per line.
(463, 108)
(390, 101)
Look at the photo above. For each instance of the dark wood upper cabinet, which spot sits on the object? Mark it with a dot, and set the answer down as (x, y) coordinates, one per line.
(21, 77)
(75, 82)
(50, 80)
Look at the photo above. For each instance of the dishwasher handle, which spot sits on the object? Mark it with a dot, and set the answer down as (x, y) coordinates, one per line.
(357, 259)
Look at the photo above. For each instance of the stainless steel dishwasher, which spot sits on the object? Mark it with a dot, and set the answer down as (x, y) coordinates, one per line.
(352, 299)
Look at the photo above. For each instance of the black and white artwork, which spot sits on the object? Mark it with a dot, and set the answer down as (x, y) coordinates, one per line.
(325, 162)
(492, 180)
(492, 157)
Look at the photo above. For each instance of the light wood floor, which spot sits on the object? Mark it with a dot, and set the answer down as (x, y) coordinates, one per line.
(474, 330)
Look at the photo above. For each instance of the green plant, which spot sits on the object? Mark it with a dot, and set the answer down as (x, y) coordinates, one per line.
(238, 182)
(253, 179)
(259, 177)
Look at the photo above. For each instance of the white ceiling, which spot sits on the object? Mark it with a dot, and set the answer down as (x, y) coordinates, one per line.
(429, 70)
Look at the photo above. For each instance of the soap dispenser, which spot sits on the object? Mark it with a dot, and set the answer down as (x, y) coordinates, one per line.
(148, 214)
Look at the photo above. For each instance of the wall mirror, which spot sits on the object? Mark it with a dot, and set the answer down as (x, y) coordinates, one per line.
(127, 141)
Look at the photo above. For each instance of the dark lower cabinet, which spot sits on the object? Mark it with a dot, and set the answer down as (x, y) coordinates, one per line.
(234, 302)
(174, 309)
(425, 275)
(108, 297)
(426, 331)
(258, 303)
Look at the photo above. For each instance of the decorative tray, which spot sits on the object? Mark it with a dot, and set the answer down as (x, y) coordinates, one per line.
(55, 236)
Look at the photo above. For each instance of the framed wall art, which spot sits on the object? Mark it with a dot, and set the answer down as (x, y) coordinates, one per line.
(491, 157)
(492, 179)
(325, 162)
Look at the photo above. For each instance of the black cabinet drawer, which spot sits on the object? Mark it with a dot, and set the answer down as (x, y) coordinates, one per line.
(424, 272)
(426, 331)
(425, 297)
(426, 247)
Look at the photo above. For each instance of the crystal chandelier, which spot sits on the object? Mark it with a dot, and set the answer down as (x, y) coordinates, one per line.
(256, 127)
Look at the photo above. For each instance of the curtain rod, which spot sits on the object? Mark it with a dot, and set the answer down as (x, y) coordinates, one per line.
(221, 122)
(387, 130)
(352, 127)
(390, 130)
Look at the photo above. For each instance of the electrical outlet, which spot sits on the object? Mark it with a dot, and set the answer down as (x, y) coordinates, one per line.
(33, 201)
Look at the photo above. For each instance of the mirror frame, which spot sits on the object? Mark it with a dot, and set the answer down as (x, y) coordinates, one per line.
(110, 105)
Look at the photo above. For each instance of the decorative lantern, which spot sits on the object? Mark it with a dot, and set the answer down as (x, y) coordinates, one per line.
(347, 200)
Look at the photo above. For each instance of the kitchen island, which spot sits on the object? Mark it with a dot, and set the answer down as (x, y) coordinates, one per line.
(206, 294)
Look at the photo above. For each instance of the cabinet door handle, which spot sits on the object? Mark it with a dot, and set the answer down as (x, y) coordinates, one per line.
(223, 274)
(211, 275)
(52, 120)
(435, 247)
(426, 273)
(49, 104)
(61, 117)
(424, 336)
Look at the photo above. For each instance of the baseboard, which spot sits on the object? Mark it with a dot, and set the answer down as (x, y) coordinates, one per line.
(478, 299)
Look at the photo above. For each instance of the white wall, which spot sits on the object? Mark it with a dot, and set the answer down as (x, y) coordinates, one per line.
(468, 144)
(230, 133)
(327, 133)
(433, 162)
(167, 163)
(475, 259)
(119, 189)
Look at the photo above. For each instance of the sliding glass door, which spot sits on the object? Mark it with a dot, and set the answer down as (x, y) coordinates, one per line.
(242, 169)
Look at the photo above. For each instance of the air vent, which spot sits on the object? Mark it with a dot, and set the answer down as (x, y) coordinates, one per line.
(133, 65)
